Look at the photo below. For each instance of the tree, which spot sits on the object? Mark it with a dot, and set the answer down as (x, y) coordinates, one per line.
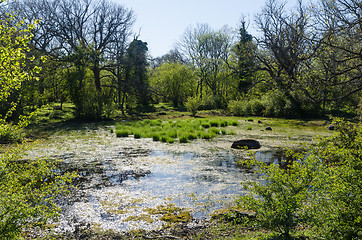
(14, 38)
(246, 64)
(340, 32)
(207, 51)
(173, 82)
(287, 44)
(28, 189)
(136, 71)
(85, 29)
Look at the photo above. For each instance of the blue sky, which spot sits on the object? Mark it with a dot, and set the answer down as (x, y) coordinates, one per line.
(162, 22)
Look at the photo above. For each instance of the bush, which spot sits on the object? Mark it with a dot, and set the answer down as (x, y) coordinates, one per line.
(28, 192)
(275, 104)
(280, 202)
(236, 108)
(319, 189)
(192, 105)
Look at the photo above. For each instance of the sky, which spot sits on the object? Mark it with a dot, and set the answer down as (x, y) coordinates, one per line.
(161, 23)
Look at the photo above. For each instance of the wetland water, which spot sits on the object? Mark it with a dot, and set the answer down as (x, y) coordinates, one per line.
(120, 178)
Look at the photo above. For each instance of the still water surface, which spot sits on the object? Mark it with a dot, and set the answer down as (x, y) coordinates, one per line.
(121, 177)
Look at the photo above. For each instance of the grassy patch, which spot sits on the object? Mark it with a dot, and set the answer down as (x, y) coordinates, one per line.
(179, 130)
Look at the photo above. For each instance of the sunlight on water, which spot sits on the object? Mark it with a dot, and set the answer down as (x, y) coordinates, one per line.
(120, 178)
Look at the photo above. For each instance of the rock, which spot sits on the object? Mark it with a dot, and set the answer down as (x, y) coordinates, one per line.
(331, 127)
(268, 129)
(246, 144)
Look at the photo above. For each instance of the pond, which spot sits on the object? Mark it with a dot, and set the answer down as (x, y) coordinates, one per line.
(123, 181)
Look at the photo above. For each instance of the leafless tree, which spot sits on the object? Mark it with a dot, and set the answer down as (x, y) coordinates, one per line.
(206, 50)
(286, 46)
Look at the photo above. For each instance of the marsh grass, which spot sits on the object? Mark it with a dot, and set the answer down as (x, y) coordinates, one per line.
(171, 130)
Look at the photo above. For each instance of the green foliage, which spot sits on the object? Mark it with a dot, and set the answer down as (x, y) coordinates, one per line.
(338, 210)
(122, 133)
(14, 38)
(192, 105)
(281, 200)
(28, 190)
(174, 82)
(319, 189)
(183, 138)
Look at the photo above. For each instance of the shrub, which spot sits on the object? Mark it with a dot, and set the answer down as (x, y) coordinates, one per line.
(207, 135)
(320, 189)
(170, 140)
(192, 105)
(163, 138)
(282, 198)
(236, 108)
(234, 123)
(256, 107)
(214, 131)
(205, 125)
(137, 135)
(28, 192)
(223, 124)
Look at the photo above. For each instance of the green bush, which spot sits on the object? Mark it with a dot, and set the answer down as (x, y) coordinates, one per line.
(319, 189)
(191, 136)
(28, 192)
(236, 108)
(192, 105)
(137, 135)
(275, 104)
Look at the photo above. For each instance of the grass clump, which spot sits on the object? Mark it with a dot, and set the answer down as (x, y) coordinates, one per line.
(137, 135)
(205, 125)
(183, 139)
(214, 123)
(156, 137)
(169, 131)
(122, 133)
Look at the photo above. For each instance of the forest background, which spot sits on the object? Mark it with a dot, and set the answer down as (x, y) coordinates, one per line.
(307, 62)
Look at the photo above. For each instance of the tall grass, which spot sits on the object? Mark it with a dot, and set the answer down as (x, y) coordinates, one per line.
(169, 131)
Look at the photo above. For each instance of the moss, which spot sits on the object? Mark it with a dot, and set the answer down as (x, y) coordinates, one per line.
(170, 213)
(142, 217)
(180, 217)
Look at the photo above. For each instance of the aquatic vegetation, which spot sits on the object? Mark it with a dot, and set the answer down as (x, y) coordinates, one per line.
(183, 139)
(181, 130)
(170, 213)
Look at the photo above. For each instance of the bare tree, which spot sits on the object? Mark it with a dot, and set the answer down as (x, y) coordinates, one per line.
(287, 47)
(207, 51)
(340, 29)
